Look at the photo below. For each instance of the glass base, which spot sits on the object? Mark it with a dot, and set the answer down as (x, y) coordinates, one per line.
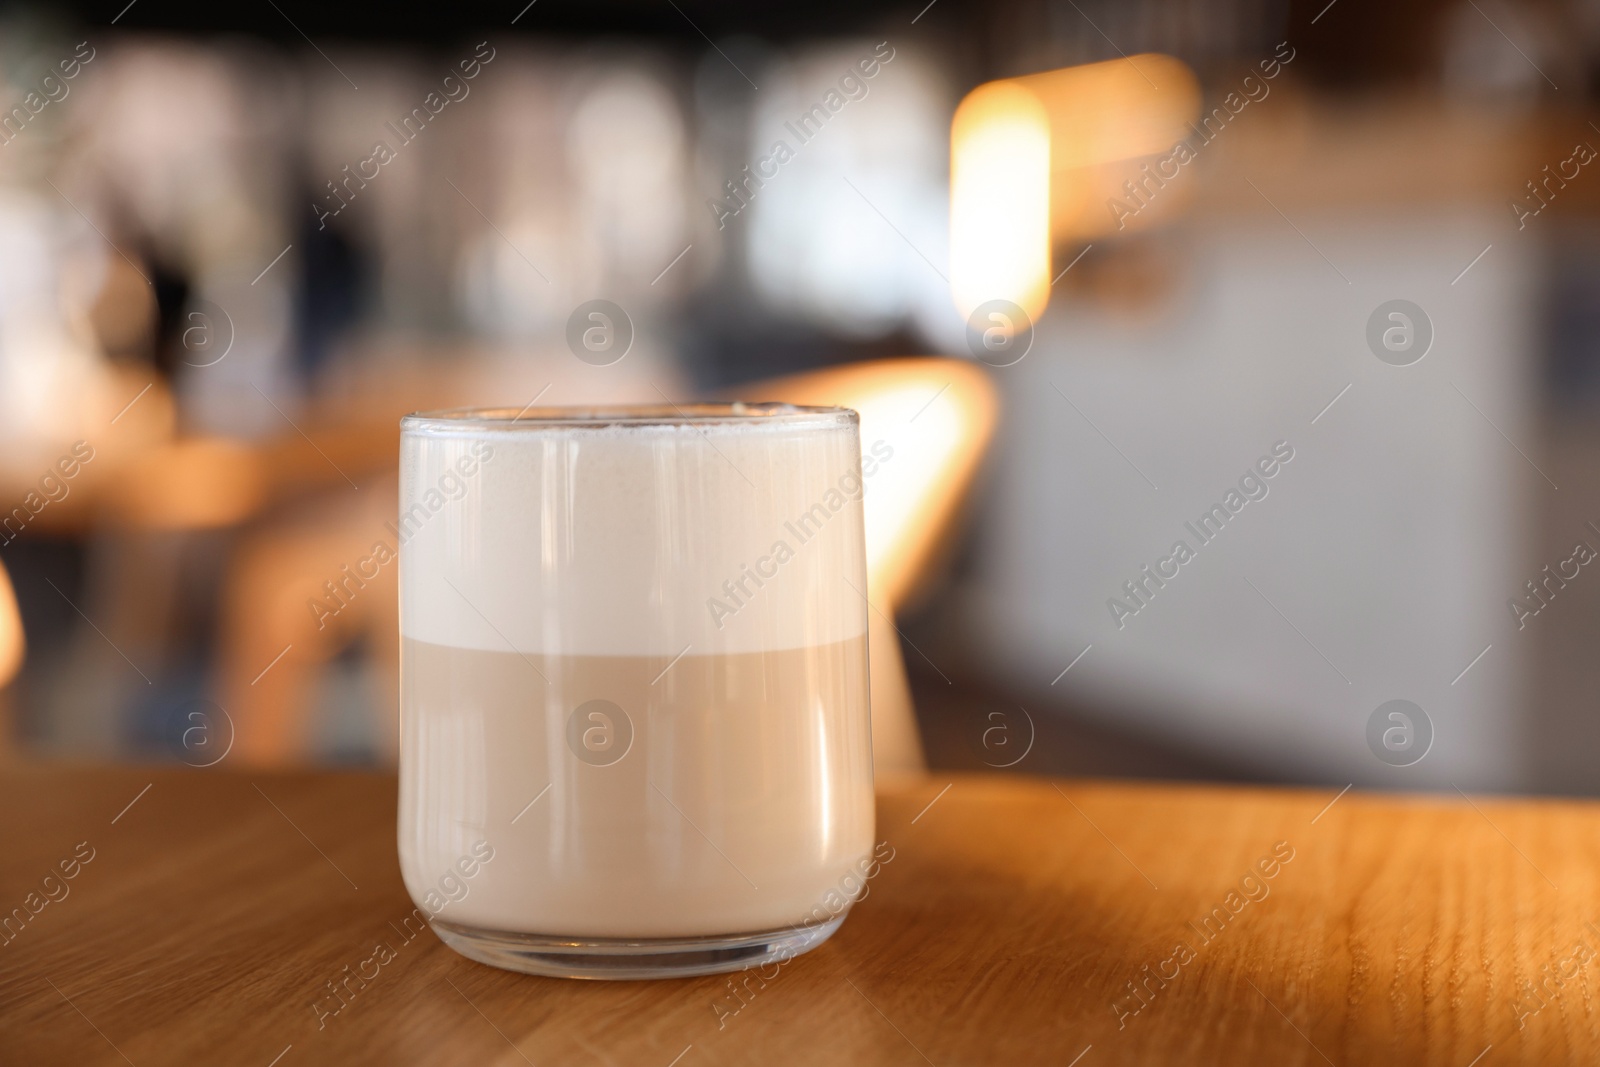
(620, 958)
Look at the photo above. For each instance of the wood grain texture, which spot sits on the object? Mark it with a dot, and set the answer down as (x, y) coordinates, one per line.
(1005, 930)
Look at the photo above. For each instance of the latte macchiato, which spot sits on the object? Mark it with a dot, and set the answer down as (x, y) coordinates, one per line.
(634, 661)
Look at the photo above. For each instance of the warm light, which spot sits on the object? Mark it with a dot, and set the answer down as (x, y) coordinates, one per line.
(1034, 159)
(1119, 109)
(1104, 119)
(11, 642)
(1000, 199)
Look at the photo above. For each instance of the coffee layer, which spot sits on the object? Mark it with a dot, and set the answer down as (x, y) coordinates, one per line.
(635, 796)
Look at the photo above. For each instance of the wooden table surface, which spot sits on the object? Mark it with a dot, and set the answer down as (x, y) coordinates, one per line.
(1005, 930)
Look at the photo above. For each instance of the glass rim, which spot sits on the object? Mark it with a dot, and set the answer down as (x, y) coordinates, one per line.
(733, 413)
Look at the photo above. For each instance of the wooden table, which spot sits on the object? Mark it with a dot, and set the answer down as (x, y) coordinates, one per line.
(1006, 930)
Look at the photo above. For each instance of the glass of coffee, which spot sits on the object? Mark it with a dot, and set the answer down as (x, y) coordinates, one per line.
(634, 727)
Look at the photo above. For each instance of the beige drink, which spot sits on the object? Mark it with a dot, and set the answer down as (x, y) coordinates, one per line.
(634, 727)
(743, 797)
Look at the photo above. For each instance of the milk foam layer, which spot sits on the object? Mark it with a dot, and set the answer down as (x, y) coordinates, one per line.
(632, 540)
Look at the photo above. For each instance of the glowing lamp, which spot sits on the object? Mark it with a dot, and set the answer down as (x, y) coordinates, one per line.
(1000, 199)
(1032, 159)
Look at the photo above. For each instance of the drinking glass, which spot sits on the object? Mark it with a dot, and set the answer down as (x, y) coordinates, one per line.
(634, 723)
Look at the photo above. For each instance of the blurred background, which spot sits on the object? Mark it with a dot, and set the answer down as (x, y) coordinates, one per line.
(1355, 244)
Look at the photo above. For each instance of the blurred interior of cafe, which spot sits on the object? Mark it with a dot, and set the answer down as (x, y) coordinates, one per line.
(235, 247)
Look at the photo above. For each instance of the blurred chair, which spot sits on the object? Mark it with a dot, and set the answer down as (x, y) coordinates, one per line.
(153, 507)
(274, 647)
(934, 417)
